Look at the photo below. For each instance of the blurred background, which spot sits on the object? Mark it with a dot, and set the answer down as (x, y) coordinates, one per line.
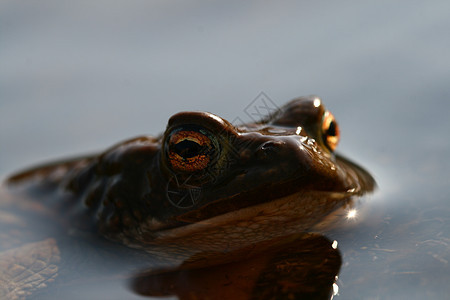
(79, 76)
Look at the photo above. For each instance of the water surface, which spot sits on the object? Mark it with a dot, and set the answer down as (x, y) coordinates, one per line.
(78, 77)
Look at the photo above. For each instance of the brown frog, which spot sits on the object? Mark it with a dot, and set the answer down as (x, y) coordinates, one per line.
(203, 189)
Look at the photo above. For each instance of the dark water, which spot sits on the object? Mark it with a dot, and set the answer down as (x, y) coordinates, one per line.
(80, 77)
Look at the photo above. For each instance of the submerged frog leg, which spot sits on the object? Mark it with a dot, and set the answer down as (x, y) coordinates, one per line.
(28, 268)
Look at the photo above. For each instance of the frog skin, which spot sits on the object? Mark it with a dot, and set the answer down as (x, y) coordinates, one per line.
(205, 184)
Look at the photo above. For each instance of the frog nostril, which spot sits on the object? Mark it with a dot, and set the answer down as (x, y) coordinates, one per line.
(268, 149)
(268, 146)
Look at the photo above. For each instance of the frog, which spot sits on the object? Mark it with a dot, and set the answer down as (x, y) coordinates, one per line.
(201, 190)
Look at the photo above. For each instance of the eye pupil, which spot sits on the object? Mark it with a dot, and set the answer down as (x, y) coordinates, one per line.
(331, 129)
(187, 149)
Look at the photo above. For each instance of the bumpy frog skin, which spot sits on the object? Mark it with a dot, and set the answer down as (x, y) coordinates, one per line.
(205, 184)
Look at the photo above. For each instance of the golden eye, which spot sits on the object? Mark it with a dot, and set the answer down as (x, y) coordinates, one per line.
(330, 131)
(189, 150)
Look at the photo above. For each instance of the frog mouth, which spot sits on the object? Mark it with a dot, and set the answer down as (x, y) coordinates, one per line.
(353, 181)
(299, 200)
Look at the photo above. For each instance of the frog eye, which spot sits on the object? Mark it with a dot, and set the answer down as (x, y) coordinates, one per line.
(330, 131)
(189, 150)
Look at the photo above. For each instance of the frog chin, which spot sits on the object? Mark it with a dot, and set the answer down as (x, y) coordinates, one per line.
(295, 213)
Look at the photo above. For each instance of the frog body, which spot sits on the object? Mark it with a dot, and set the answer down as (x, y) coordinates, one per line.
(204, 185)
